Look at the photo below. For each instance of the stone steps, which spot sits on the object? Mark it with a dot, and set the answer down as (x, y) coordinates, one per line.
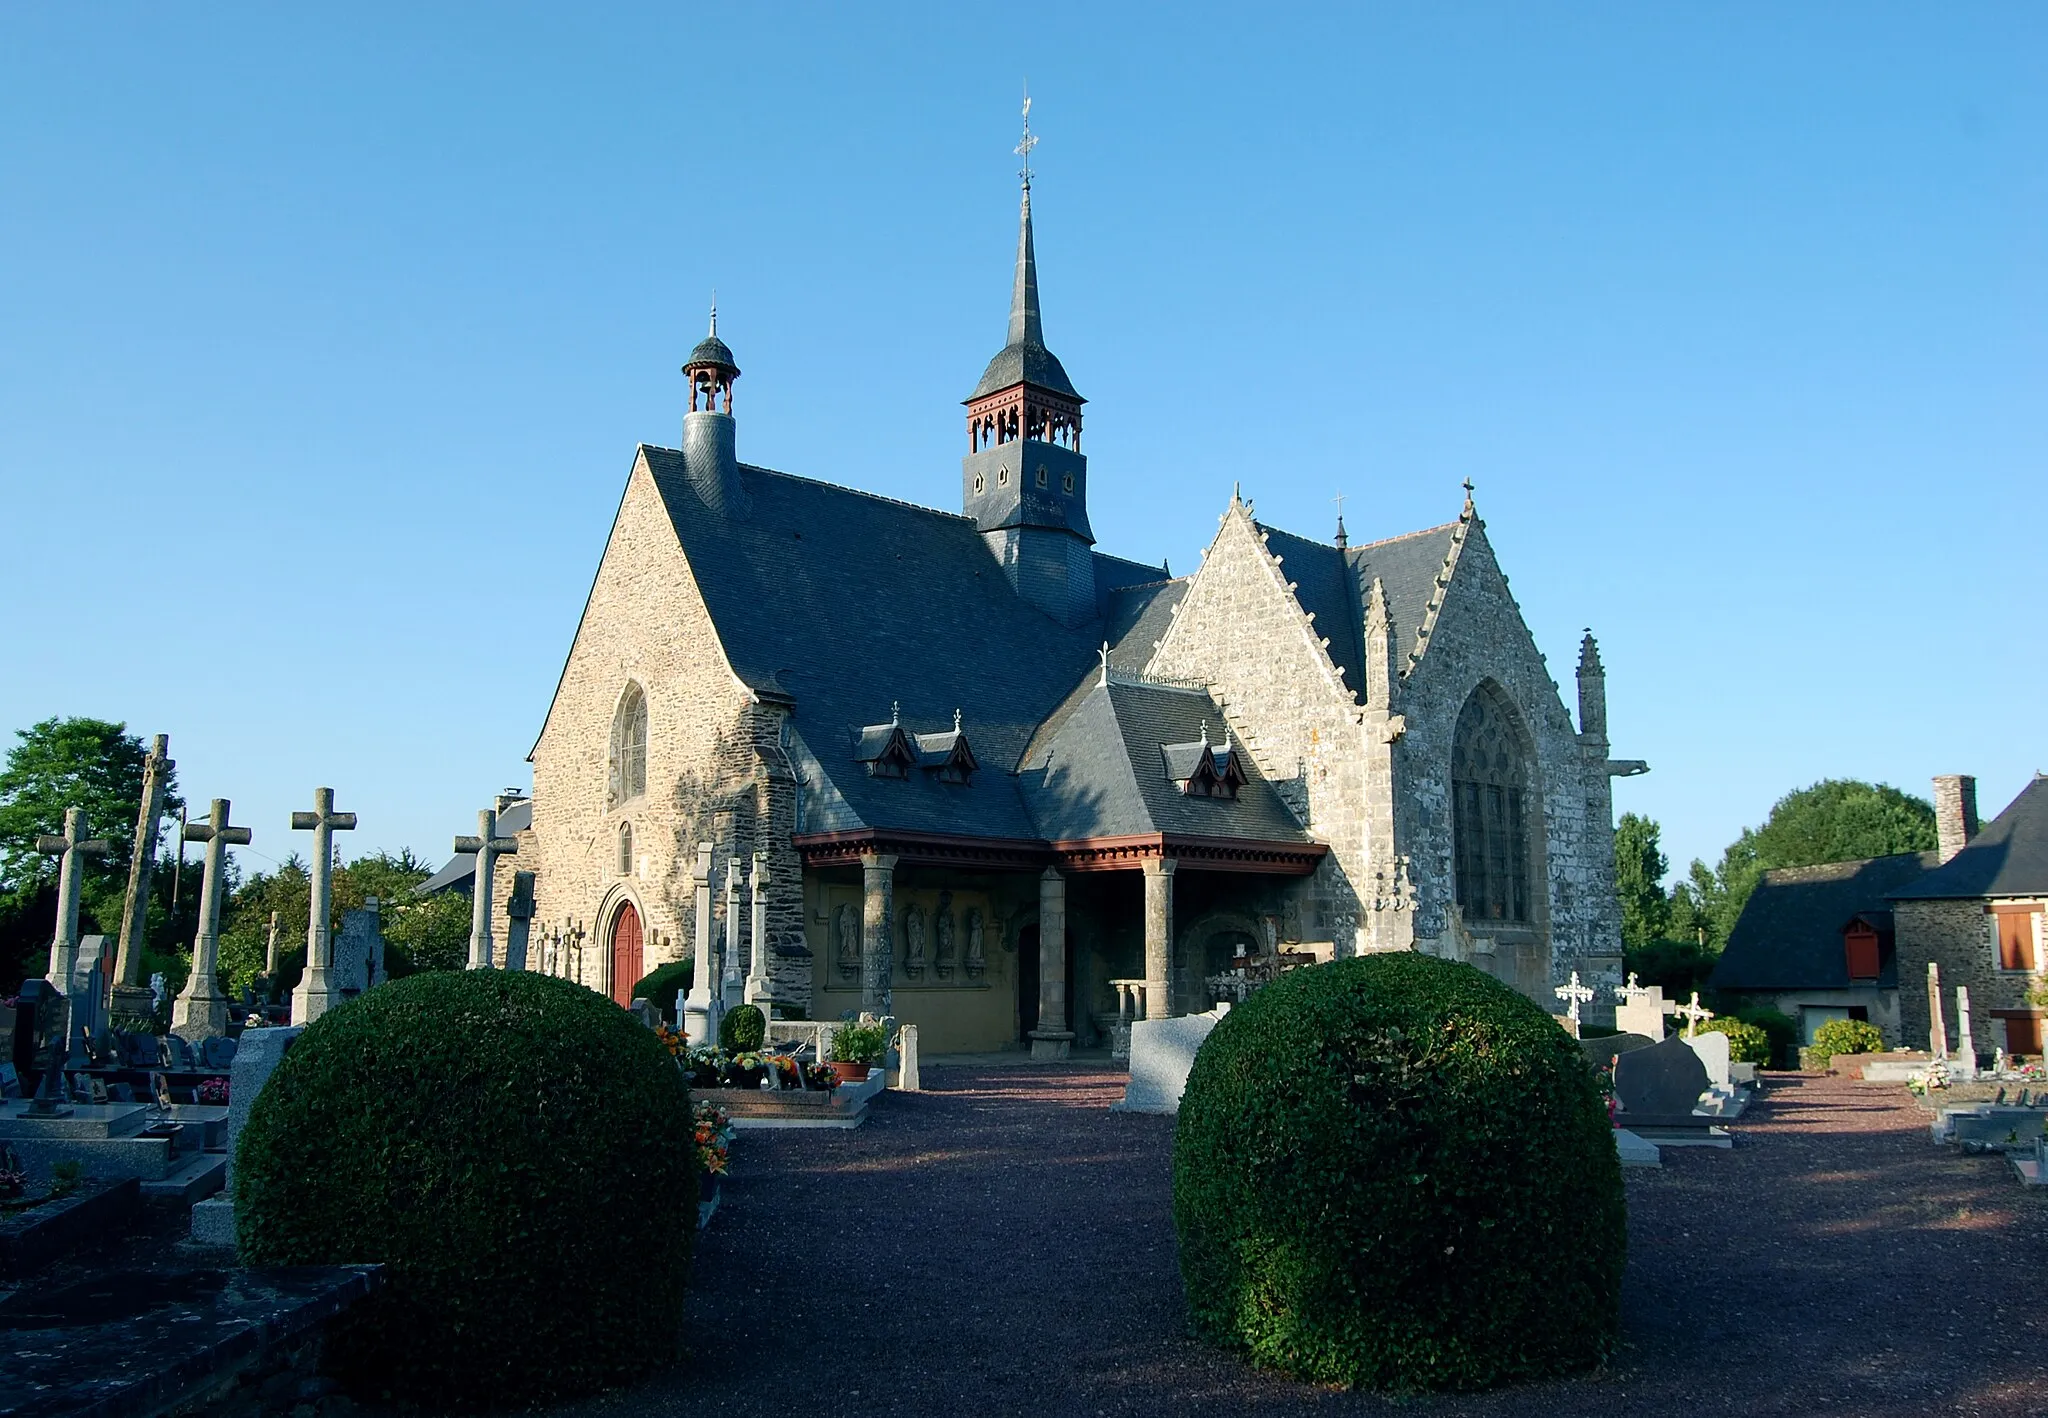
(194, 1179)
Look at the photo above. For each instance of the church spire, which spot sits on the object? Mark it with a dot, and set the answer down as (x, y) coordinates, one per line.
(1026, 327)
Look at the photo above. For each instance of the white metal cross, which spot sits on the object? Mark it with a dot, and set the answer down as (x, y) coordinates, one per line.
(1695, 1014)
(1574, 995)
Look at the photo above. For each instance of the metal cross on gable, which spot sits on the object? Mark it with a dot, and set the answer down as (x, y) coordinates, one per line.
(1574, 994)
(1695, 1014)
(71, 850)
(487, 846)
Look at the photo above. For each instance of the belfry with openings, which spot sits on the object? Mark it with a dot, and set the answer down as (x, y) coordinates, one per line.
(968, 768)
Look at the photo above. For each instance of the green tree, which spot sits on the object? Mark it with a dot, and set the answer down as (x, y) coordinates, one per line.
(1639, 868)
(60, 763)
(1835, 820)
(420, 933)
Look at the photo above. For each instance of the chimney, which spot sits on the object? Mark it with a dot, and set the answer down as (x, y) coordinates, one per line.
(1955, 813)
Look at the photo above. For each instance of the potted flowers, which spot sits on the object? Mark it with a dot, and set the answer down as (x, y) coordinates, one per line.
(856, 1048)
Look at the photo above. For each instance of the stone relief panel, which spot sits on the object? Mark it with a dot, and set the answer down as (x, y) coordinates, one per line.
(977, 956)
(913, 943)
(846, 941)
(942, 930)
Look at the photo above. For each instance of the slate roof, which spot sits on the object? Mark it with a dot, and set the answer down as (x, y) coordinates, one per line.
(1025, 359)
(1789, 935)
(1099, 770)
(1407, 567)
(849, 602)
(1328, 589)
(712, 350)
(461, 868)
(2008, 858)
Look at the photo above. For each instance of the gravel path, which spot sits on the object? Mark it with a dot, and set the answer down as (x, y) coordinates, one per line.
(1002, 1244)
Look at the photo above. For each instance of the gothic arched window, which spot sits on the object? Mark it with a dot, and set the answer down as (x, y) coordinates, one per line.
(625, 849)
(1490, 803)
(629, 746)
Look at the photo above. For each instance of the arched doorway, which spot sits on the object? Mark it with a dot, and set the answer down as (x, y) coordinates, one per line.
(626, 967)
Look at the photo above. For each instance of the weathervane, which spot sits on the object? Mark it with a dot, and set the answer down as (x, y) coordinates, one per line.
(1023, 149)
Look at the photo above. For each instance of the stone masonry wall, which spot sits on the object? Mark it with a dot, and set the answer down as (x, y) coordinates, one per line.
(1240, 631)
(647, 624)
(1478, 635)
(1956, 935)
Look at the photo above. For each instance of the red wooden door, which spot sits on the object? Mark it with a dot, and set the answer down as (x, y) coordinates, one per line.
(626, 971)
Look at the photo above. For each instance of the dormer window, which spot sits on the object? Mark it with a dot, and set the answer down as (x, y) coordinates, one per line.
(1202, 769)
(946, 756)
(885, 748)
(1859, 945)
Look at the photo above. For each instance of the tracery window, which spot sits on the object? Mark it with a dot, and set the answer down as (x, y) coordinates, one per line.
(629, 747)
(1489, 807)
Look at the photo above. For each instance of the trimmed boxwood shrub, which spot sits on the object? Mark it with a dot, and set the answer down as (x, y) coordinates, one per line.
(520, 1154)
(1395, 1172)
(1780, 1028)
(1746, 1042)
(659, 985)
(743, 1029)
(1847, 1036)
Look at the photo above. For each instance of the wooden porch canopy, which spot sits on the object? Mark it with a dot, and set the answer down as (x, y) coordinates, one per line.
(825, 849)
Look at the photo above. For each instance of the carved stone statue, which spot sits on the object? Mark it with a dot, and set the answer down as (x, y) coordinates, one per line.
(942, 931)
(913, 943)
(977, 960)
(846, 934)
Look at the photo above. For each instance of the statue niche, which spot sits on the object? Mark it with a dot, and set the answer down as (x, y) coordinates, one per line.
(977, 961)
(913, 943)
(846, 936)
(942, 956)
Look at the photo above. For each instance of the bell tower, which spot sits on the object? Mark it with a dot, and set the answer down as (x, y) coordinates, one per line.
(1024, 480)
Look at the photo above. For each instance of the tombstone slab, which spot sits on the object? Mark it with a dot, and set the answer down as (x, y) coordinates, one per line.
(1712, 1049)
(359, 952)
(1664, 1080)
(259, 1054)
(1162, 1053)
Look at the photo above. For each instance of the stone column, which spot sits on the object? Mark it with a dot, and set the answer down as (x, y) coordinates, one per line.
(732, 982)
(1937, 1027)
(759, 991)
(1052, 1039)
(1158, 937)
(700, 1010)
(877, 933)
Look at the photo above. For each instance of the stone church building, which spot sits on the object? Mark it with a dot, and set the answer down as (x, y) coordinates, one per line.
(987, 769)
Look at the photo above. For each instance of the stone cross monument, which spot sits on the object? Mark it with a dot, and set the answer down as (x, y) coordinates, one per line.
(487, 846)
(1937, 1042)
(131, 996)
(1695, 1014)
(71, 850)
(317, 992)
(700, 1010)
(201, 1010)
(759, 991)
(1966, 1043)
(519, 920)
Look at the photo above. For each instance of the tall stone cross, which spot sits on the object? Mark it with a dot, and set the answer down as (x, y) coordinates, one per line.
(759, 990)
(488, 846)
(201, 1010)
(1937, 1032)
(732, 983)
(701, 1010)
(1695, 1014)
(156, 773)
(1574, 994)
(71, 850)
(317, 992)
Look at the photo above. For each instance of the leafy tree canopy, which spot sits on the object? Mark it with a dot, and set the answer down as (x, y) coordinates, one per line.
(61, 763)
(1639, 868)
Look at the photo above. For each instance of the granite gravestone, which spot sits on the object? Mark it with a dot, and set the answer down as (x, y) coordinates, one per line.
(87, 989)
(359, 952)
(1162, 1053)
(213, 1220)
(1665, 1080)
(1712, 1049)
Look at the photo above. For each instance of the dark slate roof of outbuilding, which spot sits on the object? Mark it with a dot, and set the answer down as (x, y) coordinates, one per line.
(1789, 935)
(462, 867)
(1098, 771)
(851, 602)
(2008, 858)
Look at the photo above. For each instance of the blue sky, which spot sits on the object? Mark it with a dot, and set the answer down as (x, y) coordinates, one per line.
(326, 337)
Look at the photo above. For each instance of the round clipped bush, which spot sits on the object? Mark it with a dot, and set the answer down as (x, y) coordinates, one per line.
(519, 1153)
(1395, 1172)
(743, 1029)
(1847, 1036)
(1746, 1042)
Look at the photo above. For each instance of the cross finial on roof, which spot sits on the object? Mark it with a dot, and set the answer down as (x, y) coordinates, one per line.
(895, 712)
(1023, 149)
(714, 312)
(1342, 540)
(956, 721)
(1468, 496)
(1104, 652)
(1205, 733)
